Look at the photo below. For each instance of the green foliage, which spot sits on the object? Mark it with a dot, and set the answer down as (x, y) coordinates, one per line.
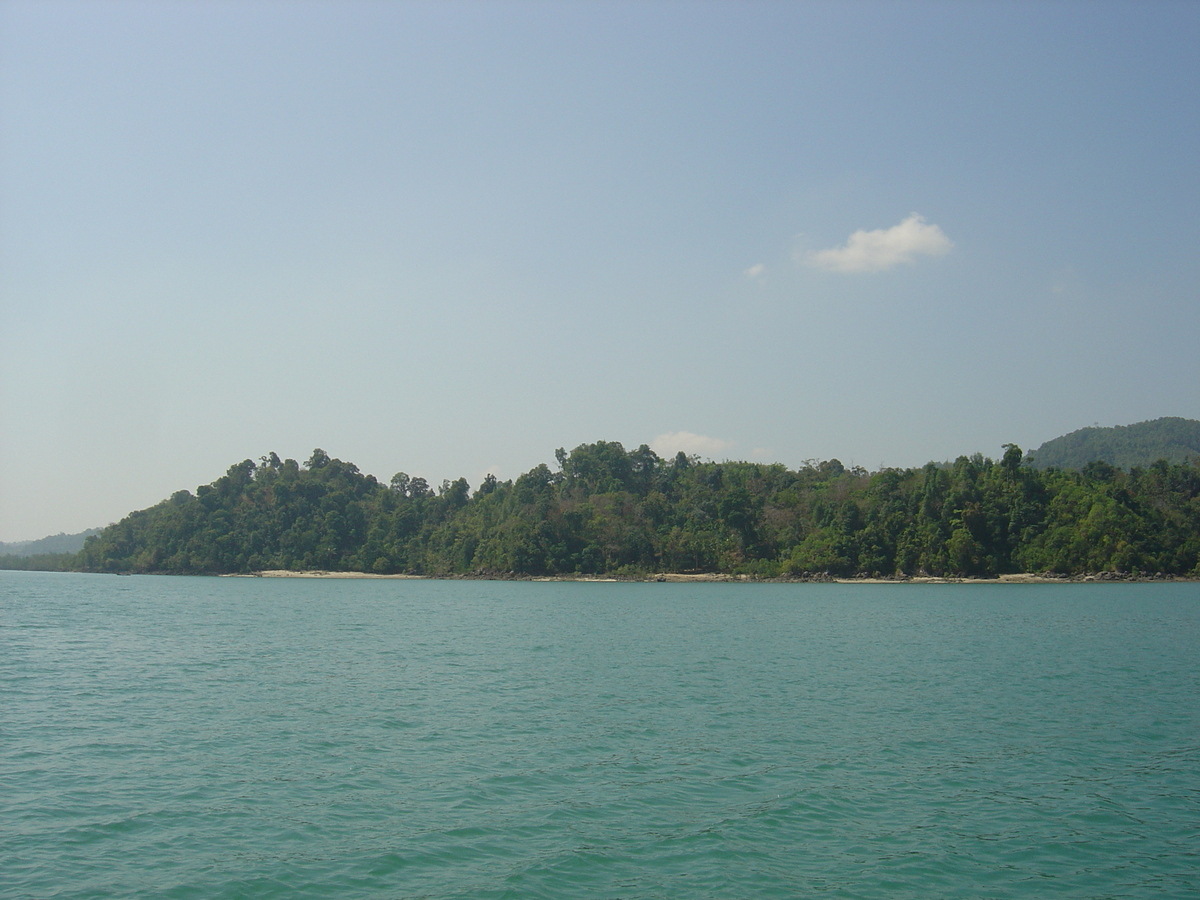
(1173, 439)
(39, 562)
(605, 510)
(65, 545)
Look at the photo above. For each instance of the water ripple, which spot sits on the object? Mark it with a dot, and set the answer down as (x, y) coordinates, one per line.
(187, 738)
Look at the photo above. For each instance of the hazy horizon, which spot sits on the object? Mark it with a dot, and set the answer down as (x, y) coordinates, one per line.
(450, 238)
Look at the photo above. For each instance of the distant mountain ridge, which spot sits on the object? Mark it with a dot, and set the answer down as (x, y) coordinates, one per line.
(1124, 446)
(56, 543)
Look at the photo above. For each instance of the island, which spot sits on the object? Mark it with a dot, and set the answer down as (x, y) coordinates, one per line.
(606, 512)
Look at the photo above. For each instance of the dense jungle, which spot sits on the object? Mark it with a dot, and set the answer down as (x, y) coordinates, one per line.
(605, 510)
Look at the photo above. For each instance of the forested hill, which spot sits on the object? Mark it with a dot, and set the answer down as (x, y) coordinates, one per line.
(56, 543)
(603, 509)
(54, 553)
(1123, 446)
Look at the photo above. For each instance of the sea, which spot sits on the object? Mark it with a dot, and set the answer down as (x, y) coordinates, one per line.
(171, 737)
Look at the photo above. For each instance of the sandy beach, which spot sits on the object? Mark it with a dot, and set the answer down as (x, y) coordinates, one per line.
(290, 573)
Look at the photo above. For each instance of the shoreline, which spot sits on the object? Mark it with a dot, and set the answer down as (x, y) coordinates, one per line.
(720, 578)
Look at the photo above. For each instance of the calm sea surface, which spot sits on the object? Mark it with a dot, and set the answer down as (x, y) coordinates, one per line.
(224, 737)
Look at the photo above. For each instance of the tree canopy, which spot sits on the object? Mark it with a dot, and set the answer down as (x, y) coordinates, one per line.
(1124, 446)
(607, 510)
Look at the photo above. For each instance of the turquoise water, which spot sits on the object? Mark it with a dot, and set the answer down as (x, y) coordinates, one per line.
(210, 738)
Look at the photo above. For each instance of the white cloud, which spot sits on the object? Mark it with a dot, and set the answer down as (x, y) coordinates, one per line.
(755, 272)
(666, 445)
(874, 251)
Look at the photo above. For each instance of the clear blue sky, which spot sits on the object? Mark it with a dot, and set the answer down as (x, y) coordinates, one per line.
(448, 238)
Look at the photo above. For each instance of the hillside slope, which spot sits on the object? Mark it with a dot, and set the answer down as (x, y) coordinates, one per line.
(1171, 438)
(56, 543)
(610, 511)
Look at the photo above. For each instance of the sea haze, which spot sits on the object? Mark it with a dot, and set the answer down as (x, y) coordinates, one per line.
(230, 737)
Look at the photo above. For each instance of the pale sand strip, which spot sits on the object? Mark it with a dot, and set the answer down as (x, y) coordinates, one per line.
(290, 573)
(1016, 578)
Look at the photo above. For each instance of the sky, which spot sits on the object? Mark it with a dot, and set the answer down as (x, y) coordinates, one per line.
(448, 238)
